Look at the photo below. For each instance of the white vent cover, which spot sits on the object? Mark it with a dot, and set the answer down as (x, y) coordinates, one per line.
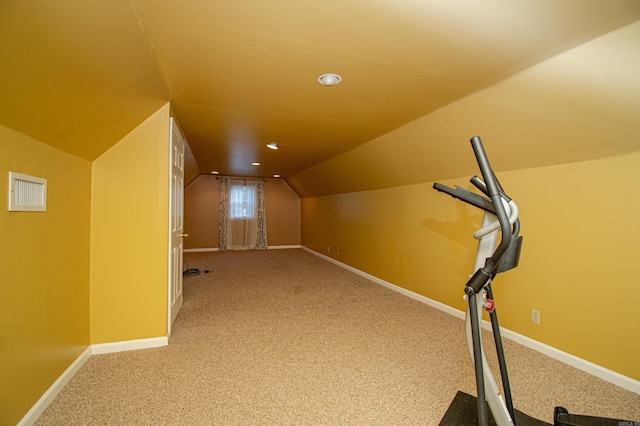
(27, 193)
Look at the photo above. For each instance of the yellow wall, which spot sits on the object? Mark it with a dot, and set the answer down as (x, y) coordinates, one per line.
(282, 212)
(129, 222)
(578, 265)
(582, 240)
(202, 203)
(44, 273)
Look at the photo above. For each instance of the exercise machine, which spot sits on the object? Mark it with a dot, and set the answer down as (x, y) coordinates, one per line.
(493, 257)
(500, 217)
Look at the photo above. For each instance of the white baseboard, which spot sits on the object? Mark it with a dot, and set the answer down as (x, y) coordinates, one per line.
(47, 398)
(129, 345)
(594, 369)
(404, 291)
(202, 250)
(102, 348)
(572, 360)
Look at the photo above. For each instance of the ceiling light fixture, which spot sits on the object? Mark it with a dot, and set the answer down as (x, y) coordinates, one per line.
(255, 163)
(329, 79)
(272, 145)
(214, 172)
(276, 176)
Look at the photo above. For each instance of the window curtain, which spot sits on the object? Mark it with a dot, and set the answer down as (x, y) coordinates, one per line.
(261, 243)
(242, 221)
(223, 213)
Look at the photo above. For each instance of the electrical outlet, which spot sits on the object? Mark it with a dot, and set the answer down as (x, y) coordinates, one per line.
(535, 316)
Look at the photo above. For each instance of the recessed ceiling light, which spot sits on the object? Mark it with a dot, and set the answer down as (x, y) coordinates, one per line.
(276, 176)
(255, 163)
(272, 145)
(214, 172)
(329, 79)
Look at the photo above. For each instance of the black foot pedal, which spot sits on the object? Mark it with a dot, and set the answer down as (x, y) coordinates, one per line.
(561, 417)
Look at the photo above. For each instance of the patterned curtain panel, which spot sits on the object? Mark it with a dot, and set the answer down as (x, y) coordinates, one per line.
(224, 213)
(261, 243)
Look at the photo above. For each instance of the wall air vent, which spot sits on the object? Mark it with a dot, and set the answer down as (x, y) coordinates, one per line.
(27, 193)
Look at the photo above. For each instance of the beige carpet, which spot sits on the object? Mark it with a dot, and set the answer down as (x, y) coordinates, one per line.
(282, 337)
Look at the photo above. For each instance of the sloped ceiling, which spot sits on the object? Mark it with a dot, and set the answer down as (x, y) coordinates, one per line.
(76, 75)
(79, 75)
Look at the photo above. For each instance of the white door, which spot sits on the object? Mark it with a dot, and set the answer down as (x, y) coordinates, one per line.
(176, 224)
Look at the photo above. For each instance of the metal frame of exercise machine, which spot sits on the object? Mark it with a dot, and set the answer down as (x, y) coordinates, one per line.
(492, 258)
(500, 217)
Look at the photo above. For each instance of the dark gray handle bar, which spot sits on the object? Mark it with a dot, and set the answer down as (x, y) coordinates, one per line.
(493, 189)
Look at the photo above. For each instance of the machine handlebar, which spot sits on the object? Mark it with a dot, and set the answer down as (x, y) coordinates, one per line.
(494, 191)
(497, 203)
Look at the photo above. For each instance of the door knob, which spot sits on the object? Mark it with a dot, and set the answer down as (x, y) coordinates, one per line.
(184, 235)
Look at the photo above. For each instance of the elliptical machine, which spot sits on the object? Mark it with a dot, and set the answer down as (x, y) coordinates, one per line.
(500, 217)
(492, 258)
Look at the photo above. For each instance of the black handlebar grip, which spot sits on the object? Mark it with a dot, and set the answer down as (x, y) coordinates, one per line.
(477, 282)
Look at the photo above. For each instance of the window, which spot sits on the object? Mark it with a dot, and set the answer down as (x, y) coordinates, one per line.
(242, 202)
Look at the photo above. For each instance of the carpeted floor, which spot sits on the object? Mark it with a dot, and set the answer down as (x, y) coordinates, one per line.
(282, 337)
